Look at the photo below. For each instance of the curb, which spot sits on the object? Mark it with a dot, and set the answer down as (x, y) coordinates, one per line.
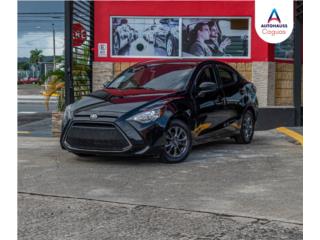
(292, 134)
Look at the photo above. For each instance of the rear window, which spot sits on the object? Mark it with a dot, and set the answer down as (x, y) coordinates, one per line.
(227, 76)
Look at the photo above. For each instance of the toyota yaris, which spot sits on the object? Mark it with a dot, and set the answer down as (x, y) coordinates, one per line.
(162, 108)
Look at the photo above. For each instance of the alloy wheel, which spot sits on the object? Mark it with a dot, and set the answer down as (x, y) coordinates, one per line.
(176, 142)
(169, 47)
(248, 126)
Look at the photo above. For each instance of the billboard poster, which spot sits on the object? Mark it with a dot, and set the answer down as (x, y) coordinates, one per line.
(215, 37)
(145, 36)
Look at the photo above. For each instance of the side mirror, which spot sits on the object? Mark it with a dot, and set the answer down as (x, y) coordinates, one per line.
(207, 87)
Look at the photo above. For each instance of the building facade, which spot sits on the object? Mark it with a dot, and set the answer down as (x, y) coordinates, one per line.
(127, 32)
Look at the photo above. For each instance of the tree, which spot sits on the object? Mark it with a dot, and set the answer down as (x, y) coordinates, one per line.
(23, 66)
(36, 56)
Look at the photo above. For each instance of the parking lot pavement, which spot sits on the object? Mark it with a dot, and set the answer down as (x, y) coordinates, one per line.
(261, 181)
(43, 217)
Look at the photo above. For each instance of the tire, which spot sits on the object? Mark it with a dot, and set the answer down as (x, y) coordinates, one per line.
(247, 128)
(155, 44)
(116, 44)
(170, 46)
(178, 142)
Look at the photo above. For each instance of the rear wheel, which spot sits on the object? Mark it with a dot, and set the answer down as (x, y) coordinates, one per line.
(178, 142)
(247, 128)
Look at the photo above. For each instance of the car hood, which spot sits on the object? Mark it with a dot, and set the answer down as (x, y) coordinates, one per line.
(116, 102)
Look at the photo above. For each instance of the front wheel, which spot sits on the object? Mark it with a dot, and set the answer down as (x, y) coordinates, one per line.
(247, 128)
(178, 142)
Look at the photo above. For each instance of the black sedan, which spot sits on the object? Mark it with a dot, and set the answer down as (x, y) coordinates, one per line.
(162, 108)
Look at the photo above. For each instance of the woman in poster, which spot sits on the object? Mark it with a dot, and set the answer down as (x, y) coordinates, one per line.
(215, 43)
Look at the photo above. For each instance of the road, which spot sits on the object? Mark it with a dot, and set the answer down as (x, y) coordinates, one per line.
(33, 117)
(223, 191)
(35, 104)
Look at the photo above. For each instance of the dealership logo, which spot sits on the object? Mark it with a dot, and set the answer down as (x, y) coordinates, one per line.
(276, 18)
(269, 26)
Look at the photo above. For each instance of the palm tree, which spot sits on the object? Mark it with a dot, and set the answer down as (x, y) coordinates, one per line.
(55, 87)
(36, 56)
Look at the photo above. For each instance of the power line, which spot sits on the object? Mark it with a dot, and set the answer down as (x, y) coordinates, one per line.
(40, 20)
(37, 13)
(42, 47)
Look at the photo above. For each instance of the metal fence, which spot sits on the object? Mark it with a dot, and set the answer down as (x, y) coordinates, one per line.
(78, 49)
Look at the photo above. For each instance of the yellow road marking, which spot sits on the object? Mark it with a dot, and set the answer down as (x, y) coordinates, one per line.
(296, 136)
(200, 128)
(24, 132)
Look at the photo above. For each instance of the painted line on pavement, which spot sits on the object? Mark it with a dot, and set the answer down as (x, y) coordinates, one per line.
(288, 132)
(24, 132)
(27, 112)
(34, 97)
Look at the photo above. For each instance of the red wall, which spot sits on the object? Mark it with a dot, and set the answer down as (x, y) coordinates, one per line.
(260, 50)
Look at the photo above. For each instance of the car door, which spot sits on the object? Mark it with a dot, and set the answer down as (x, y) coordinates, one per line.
(229, 82)
(209, 105)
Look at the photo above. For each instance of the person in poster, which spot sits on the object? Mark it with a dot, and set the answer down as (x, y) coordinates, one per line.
(227, 37)
(215, 43)
(201, 34)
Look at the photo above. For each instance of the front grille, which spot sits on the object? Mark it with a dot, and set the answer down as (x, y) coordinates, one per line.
(95, 136)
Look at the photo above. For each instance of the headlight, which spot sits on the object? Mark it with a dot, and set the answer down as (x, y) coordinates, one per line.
(147, 116)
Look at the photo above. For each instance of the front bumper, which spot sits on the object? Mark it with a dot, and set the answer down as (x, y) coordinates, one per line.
(112, 137)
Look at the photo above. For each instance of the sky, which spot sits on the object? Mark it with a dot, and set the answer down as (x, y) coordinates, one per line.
(35, 19)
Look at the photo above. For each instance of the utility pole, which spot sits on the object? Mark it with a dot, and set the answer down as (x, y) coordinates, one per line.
(298, 22)
(54, 47)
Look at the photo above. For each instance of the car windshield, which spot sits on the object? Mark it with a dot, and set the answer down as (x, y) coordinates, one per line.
(156, 76)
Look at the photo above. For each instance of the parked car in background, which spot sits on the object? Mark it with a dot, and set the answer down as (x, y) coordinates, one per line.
(28, 80)
(162, 108)
(167, 36)
(122, 35)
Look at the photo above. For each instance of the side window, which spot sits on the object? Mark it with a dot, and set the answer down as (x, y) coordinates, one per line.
(205, 76)
(227, 76)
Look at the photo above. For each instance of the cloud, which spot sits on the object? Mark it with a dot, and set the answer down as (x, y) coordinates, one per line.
(40, 40)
